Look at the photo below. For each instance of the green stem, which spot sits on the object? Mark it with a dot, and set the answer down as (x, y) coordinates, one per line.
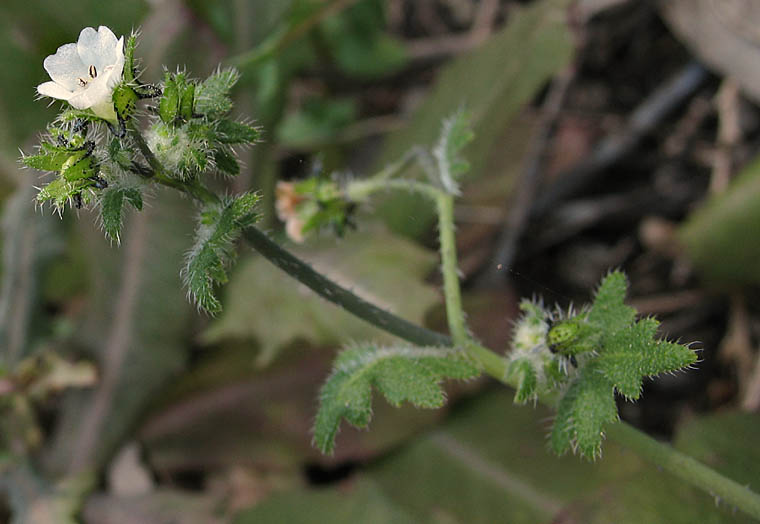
(686, 468)
(359, 190)
(341, 296)
(451, 290)
(494, 365)
(663, 455)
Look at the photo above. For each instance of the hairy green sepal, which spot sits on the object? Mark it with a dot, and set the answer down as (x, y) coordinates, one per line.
(112, 208)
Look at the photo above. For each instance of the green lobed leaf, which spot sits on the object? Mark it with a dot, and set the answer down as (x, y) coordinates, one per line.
(219, 226)
(583, 411)
(212, 95)
(51, 157)
(608, 313)
(634, 353)
(60, 191)
(52, 161)
(402, 374)
(456, 133)
(78, 167)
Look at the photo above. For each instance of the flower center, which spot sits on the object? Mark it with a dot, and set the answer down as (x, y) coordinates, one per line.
(93, 72)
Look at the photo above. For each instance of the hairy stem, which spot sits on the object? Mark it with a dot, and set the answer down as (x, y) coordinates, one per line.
(341, 296)
(361, 189)
(686, 468)
(451, 290)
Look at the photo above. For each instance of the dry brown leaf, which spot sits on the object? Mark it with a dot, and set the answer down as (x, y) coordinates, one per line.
(724, 34)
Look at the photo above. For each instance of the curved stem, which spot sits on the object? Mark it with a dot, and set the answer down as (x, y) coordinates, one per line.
(340, 296)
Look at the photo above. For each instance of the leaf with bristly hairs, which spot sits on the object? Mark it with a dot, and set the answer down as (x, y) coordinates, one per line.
(401, 374)
(213, 251)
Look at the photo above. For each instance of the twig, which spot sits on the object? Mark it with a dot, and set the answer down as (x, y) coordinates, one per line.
(664, 456)
(643, 120)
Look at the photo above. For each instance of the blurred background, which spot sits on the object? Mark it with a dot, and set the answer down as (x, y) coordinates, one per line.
(609, 134)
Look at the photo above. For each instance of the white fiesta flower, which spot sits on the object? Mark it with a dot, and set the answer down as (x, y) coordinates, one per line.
(84, 74)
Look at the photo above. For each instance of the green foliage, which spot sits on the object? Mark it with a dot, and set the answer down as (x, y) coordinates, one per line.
(178, 99)
(231, 132)
(124, 101)
(112, 207)
(720, 236)
(191, 136)
(49, 158)
(456, 133)
(69, 154)
(359, 43)
(583, 411)
(317, 121)
(620, 353)
(212, 96)
(401, 374)
(219, 226)
(226, 162)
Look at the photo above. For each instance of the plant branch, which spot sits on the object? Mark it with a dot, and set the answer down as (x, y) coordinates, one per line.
(341, 296)
(662, 455)
(451, 290)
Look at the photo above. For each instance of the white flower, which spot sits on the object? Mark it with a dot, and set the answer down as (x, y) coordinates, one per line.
(84, 74)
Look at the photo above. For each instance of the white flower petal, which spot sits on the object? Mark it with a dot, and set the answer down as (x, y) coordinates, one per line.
(65, 67)
(98, 96)
(98, 48)
(54, 90)
(117, 70)
(96, 92)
